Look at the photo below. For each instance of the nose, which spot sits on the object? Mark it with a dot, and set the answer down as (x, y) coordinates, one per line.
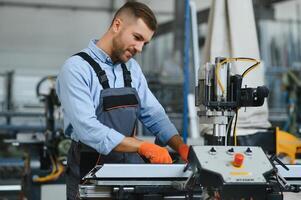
(139, 46)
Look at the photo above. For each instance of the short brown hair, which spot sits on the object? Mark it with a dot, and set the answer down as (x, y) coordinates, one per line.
(139, 10)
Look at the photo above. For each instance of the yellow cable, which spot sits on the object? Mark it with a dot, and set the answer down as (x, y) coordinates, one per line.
(51, 177)
(228, 60)
(54, 164)
(250, 69)
(54, 167)
(37, 179)
(57, 170)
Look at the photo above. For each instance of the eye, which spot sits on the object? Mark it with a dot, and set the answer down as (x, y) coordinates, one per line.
(136, 37)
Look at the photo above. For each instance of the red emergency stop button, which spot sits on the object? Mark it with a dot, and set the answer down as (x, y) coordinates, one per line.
(238, 160)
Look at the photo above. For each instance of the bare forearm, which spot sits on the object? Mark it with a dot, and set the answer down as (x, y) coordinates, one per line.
(179, 146)
(128, 144)
(175, 142)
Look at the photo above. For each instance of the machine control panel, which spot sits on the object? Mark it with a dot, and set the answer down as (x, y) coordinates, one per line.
(235, 164)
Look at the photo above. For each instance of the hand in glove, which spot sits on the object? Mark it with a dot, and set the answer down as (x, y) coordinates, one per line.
(183, 151)
(154, 153)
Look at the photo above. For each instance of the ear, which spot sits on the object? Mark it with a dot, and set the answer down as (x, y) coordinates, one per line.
(117, 23)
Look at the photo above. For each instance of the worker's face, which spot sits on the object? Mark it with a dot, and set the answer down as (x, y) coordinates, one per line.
(130, 38)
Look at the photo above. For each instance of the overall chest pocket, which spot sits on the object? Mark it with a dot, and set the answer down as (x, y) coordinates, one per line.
(119, 102)
(120, 112)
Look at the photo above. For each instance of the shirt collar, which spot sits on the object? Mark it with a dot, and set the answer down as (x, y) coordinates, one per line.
(99, 53)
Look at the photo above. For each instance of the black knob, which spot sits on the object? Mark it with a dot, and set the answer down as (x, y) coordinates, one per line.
(249, 150)
(212, 151)
(231, 150)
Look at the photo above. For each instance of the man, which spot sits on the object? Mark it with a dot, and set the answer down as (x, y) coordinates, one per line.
(103, 93)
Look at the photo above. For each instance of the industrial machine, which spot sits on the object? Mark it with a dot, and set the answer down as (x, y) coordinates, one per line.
(219, 96)
(232, 172)
(44, 152)
(292, 85)
(221, 170)
(137, 181)
(218, 175)
(213, 172)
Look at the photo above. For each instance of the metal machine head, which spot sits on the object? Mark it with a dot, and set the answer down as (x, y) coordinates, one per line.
(219, 94)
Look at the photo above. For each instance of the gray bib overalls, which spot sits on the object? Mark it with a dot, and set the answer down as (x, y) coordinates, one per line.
(118, 109)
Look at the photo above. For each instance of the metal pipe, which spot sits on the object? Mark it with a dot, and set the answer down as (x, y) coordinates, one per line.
(65, 7)
(21, 114)
(21, 128)
(8, 94)
(186, 71)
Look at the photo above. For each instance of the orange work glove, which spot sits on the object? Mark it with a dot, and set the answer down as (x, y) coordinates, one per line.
(183, 151)
(154, 153)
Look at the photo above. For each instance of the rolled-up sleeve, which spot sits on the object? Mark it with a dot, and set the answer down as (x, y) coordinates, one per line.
(73, 89)
(153, 116)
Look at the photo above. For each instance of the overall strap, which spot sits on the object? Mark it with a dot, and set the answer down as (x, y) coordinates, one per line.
(126, 76)
(101, 74)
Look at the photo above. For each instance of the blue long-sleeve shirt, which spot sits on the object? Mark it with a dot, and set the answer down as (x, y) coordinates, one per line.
(78, 89)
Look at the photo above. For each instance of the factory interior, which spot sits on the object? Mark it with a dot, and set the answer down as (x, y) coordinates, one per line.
(210, 106)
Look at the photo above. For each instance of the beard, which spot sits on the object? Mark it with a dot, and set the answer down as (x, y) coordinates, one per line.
(120, 53)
